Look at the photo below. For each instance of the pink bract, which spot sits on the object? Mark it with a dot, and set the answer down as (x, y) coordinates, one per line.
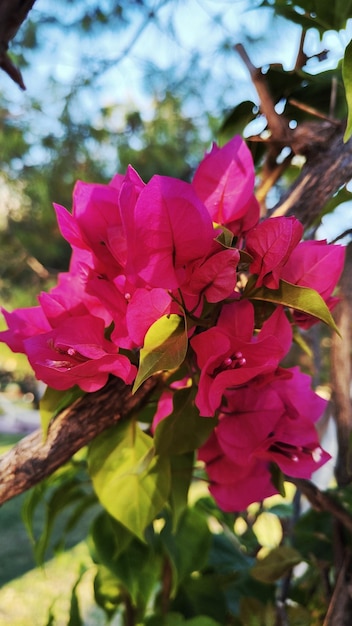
(23, 323)
(167, 228)
(260, 425)
(270, 244)
(224, 181)
(76, 353)
(228, 355)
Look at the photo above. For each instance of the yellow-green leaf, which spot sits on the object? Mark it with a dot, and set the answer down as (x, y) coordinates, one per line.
(165, 347)
(131, 482)
(303, 299)
(347, 79)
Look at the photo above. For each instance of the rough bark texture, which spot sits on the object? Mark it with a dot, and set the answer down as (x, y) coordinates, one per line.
(35, 458)
(328, 167)
(12, 15)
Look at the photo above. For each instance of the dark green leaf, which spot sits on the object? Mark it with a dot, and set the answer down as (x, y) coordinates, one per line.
(75, 614)
(277, 478)
(181, 475)
(184, 430)
(276, 564)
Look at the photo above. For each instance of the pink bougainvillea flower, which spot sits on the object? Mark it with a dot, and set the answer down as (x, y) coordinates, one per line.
(145, 307)
(270, 244)
(23, 323)
(228, 355)
(214, 277)
(224, 181)
(76, 353)
(69, 298)
(167, 228)
(95, 224)
(317, 265)
(260, 426)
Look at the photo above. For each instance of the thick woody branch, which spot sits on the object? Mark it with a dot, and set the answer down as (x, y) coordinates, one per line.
(12, 15)
(35, 458)
(327, 169)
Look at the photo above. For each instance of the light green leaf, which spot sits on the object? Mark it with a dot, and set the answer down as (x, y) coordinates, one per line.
(131, 482)
(107, 592)
(165, 347)
(278, 562)
(301, 299)
(347, 79)
(55, 401)
(184, 430)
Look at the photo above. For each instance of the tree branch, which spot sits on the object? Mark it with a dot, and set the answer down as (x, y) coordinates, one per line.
(12, 15)
(322, 501)
(35, 458)
(327, 169)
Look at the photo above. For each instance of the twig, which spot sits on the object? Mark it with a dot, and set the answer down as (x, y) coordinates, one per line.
(277, 124)
(322, 501)
(336, 614)
(12, 14)
(313, 111)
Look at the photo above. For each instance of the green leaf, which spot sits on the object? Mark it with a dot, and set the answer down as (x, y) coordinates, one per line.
(189, 547)
(301, 299)
(255, 613)
(75, 614)
(108, 539)
(165, 347)
(131, 482)
(347, 79)
(276, 564)
(226, 237)
(184, 430)
(277, 478)
(55, 401)
(132, 566)
(108, 594)
(181, 476)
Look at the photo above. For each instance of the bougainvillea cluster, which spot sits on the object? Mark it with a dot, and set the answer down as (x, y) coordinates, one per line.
(195, 256)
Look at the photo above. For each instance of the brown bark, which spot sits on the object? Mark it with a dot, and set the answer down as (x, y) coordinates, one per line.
(12, 15)
(328, 167)
(35, 458)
